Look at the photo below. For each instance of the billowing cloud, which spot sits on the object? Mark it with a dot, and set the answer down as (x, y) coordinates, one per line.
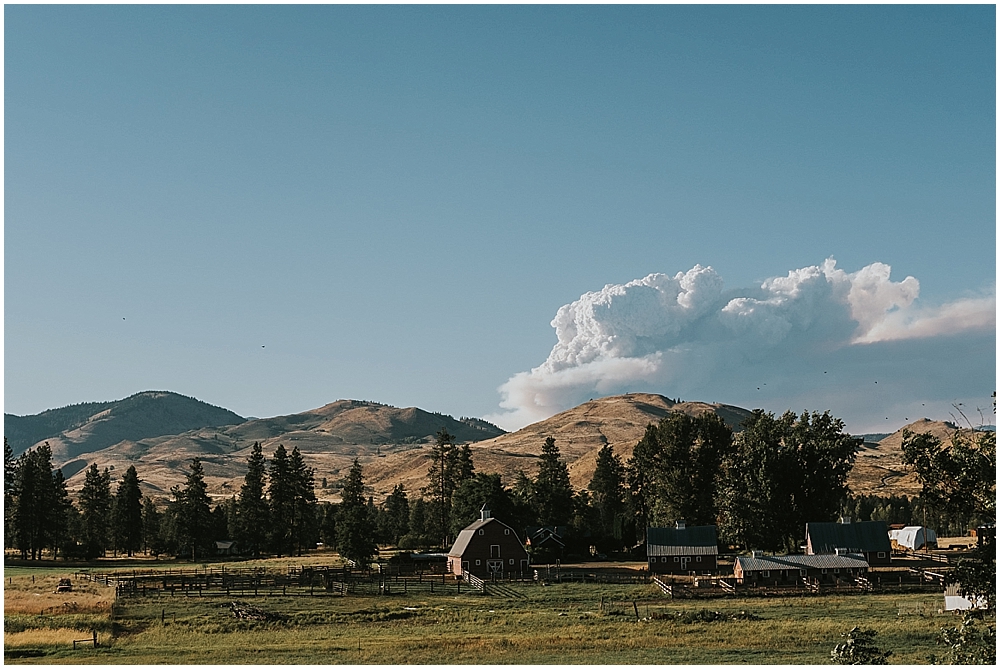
(688, 333)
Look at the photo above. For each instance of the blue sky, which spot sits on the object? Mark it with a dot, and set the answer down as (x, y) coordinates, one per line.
(271, 208)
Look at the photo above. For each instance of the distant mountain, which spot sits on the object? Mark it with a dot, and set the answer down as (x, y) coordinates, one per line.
(137, 431)
(579, 432)
(83, 428)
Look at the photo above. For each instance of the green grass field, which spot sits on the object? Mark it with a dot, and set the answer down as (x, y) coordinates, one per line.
(556, 624)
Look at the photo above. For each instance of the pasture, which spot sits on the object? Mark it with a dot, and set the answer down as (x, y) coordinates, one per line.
(563, 623)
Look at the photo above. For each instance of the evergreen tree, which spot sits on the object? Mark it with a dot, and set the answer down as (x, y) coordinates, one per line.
(252, 511)
(442, 481)
(397, 515)
(39, 502)
(522, 495)
(10, 465)
(553, 492)
(58, 515)
(151, 540)
(127, 516)
(642, 485)
(421, 526)
(472, 494)
(281, 502)
(354, 530)
(328, 525)
(305, 528)
(193, 513)
(95, 510)
(608, 499)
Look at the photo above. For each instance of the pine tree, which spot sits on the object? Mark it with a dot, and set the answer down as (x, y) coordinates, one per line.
(127, 517)
(95, 509)
(281, 502)
(193, 513)
(354, 531)
(252, 512)
(397, 514)
(553, 492)
(608, 500)
(442, 481)
(304, 524)
(10, 469)
(151, 540)
(473, 493)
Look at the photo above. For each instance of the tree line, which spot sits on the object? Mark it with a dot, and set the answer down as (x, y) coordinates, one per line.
(759, 487)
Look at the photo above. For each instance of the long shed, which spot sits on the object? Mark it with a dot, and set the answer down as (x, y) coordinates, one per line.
(681, 549)
(787, 569)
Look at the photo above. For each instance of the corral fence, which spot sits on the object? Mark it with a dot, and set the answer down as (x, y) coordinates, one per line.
(256, 581)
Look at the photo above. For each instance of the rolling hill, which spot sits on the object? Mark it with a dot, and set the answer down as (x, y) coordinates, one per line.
(391, 443)
(84, 428)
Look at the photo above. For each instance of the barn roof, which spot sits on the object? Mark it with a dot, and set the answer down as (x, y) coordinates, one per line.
(779, 562)
(858, 537)
(686, 541)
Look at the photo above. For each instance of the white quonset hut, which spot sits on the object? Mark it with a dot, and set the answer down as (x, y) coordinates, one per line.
(913, 537)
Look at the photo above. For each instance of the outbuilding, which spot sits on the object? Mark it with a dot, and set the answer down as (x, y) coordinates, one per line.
(869, 538)
(789, 569)
(487, 548)
(913, 537)
(681, 549)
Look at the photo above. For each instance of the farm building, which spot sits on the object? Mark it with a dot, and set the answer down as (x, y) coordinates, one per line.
(550, 537)
(788, 569)
(486, 548)
(870, 539)
(680, 549)
(913, 537)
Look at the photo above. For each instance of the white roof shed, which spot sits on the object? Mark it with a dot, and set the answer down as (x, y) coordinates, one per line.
(913, 537)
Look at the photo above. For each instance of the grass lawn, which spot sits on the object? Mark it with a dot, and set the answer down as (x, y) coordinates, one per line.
(557, 624)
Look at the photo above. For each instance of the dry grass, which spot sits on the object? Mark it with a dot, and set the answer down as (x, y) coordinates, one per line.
(33, 638)
(24, 596)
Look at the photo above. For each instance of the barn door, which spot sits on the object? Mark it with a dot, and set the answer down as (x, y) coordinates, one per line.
(684, 563)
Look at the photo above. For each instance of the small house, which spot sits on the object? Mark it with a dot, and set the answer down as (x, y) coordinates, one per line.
(225, 548)
(681, 549)
(547, 538)
(790, 569)
(869, 538)
(487, 548)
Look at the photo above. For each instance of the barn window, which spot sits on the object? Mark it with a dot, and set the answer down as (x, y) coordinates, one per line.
(765, 573)
(698, 559)
(677, 559)
(881, 554)
(478, 562)
(506, 531)
(480, 533)
(824, 571)
(512, 560)
(836, 571)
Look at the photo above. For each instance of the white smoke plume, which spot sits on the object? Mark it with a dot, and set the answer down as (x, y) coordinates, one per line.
(687, 333)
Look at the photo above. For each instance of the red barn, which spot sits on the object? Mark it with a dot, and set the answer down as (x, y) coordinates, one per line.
(486, 548)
